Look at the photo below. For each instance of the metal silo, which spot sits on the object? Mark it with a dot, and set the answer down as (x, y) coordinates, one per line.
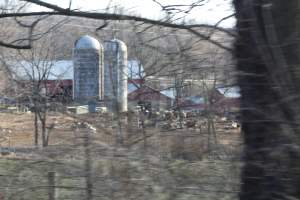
(115, 75)
(88, 85)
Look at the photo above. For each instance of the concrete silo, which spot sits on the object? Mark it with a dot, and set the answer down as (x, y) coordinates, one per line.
(88, 85)
(115, 75)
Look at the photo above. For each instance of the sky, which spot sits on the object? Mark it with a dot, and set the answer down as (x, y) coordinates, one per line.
(210, 13)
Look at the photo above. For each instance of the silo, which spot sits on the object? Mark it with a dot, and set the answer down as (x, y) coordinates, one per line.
(115, 75)
(88, 85)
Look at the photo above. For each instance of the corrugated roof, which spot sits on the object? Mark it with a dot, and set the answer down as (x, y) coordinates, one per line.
(55, 70)
(131, 87)
(63, 69)
(171, 93)
(147, 93)
(230, 92)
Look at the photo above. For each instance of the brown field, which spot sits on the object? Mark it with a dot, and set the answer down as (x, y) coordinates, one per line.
(160, 164)
(17, 130)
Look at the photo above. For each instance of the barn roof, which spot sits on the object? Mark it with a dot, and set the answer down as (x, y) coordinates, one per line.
(230, 92)
(56, 70)
(147, 93)
(62, 69)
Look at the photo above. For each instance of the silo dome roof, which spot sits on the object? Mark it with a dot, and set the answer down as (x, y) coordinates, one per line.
(87, 42)
(119, 43)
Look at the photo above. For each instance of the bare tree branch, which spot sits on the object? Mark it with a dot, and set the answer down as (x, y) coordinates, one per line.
(108, 16)
(9, 45)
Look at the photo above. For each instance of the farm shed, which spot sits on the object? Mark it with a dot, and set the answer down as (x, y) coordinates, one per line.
(146, 94)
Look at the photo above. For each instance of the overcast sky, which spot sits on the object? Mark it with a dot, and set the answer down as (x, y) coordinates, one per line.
(210, 13)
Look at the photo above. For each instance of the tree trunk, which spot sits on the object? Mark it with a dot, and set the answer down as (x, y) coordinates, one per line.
(88, 166)
(36, 129)
(267, 52)
(51, 184)
(42, 117)
(44, 133)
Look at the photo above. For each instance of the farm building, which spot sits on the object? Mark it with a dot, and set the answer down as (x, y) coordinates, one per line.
(88, 70)
(60, 75)
(56, 77)
(59, 86)
(115, 75)
(150, 97)
(223, 100)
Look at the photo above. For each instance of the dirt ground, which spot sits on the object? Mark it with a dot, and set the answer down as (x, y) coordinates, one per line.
(159, 164)
(17, 130)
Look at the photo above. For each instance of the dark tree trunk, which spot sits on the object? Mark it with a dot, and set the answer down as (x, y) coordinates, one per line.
(36, 129)
(88, 166)
(44, 132)
(51, 184)
(268, 56)
(42, 115)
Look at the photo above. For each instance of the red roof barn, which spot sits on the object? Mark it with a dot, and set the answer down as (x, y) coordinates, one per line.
(149, 95)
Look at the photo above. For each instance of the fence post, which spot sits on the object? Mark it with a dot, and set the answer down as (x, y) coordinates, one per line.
(51, 184)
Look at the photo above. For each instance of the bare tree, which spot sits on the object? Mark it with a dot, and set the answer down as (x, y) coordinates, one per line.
(56, 10)
(29, 71)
